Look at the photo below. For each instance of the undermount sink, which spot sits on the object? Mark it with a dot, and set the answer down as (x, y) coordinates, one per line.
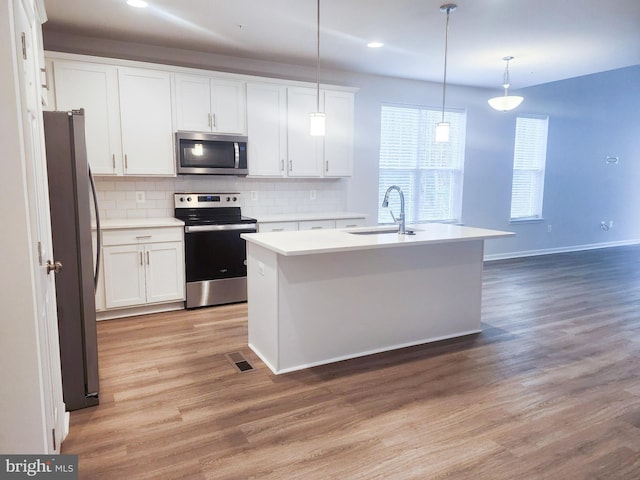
(373, 232)
(379, 232)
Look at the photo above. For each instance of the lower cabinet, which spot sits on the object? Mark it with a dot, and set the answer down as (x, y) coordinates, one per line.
(287, 226)
(143, 266)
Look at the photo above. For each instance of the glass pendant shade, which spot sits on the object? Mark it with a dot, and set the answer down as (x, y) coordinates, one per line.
(317, 124)
(442, 132)
(505, 102)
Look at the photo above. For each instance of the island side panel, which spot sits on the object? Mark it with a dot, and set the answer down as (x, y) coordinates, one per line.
(262, 294)
(336, 306)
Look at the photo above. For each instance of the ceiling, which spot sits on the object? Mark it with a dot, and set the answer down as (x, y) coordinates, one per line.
(550, 39)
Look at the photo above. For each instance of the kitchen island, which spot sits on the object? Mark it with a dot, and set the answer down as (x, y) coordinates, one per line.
(316, 297)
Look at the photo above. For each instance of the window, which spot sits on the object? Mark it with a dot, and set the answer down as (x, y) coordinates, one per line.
(529, 159)
(429, 173)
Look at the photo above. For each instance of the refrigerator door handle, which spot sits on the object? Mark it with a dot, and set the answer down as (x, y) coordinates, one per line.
(98, 231)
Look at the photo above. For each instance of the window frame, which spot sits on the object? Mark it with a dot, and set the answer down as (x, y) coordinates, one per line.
(426, 151)
(536, 197)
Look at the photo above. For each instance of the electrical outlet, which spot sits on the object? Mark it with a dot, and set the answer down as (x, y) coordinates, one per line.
(312, 194)
(141, 197)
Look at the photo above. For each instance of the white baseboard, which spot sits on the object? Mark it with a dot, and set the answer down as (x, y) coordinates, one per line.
(141, 310)
(550, 251)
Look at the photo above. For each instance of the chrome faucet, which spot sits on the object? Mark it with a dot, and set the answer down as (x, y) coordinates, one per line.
(401, 219)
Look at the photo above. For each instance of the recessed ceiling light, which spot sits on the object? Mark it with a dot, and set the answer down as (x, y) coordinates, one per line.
(375, 44)
(137, 3)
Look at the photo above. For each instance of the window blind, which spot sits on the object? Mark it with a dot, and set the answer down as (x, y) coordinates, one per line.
(529, 158)
(429, 173)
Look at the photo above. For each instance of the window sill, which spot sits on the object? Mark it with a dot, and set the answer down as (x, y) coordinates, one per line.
(526, 220)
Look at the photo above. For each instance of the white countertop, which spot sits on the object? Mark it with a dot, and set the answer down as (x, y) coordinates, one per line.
(340, 240)
(296, 217)
(118, 223)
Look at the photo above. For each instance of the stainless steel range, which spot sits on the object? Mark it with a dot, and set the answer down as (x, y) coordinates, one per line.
(215, 255)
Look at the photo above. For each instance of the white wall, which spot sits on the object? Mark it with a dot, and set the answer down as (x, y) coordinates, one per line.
(590, 117)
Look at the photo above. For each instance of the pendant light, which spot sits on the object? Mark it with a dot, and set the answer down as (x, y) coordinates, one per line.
(505, 102)
(317, 118)
(442, 128)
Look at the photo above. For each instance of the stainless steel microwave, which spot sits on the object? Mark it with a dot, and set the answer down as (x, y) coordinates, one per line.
(200, 153)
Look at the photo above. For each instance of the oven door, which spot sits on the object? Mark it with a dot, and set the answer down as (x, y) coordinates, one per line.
(215, 252)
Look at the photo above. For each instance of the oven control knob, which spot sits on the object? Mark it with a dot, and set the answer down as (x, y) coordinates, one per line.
(188, 199)
(235, 199)
(182, 199)
(228, 199)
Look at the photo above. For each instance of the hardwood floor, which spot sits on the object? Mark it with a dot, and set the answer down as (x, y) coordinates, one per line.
(549, 390)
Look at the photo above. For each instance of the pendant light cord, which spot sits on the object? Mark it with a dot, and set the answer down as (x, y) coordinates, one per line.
(446, 49)
(318, 62)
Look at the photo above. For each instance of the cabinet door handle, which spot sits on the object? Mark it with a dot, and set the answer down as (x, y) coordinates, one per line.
(140, 253)
(277, 229)
(326, 168)
(282, 164)
(140, 237)
(147, 257)
(213, 121)
(209, 120)
(290, 165)
(126, 162)
(113, 160)
(316, 228)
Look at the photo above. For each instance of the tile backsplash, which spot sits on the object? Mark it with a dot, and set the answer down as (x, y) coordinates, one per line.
(145, 197)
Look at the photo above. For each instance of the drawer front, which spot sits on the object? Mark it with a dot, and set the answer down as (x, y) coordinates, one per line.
(277, 226)
(349, 222)
(316, 224)
(142, 235)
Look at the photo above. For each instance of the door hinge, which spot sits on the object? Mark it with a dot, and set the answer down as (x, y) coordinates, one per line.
(24, 45)
(53, 434)
(40, 253)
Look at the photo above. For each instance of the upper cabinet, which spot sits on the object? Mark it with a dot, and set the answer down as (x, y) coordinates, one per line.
(145, 116)
(128, 126)
(338, 140)
(267, 129)
(93, 87)
(210, 104)
(280, 144)
(304, 150)
(132, 113)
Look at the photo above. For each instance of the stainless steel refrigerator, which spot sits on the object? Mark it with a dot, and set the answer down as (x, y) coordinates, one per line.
(71, 189)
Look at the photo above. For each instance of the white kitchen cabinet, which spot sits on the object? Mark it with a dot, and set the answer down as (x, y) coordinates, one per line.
(210, 104)
(279, 141)
(307, 222)
(143, 266)
(145, 119)
(350, 222)
(267, 129)
(316, 224)
(93, 87)
(305, 152)
(128, 122)
(277, 226)
(338, 140)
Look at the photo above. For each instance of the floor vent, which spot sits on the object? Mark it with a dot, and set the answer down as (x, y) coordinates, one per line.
(238, 361)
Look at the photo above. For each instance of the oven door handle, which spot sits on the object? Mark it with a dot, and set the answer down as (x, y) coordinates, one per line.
(218, 228)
